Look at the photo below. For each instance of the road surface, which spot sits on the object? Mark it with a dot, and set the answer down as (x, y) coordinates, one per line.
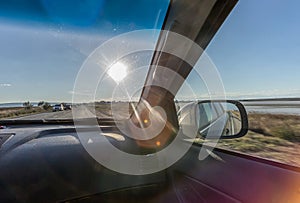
(81, 112)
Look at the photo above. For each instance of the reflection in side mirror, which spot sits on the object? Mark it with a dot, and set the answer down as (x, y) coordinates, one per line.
(214, 119)
(221, 119)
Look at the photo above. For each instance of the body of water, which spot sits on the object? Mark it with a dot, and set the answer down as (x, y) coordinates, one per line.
(10, 105)
(271, 107)
(273, 110)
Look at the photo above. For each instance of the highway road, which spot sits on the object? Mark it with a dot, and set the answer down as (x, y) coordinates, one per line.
(81, 112)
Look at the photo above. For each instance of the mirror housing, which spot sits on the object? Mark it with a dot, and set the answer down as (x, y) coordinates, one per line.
(216, 119)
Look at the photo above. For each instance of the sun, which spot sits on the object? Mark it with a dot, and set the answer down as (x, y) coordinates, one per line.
(118, 71)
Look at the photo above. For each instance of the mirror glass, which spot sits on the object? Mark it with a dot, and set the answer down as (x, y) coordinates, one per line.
(218, 119)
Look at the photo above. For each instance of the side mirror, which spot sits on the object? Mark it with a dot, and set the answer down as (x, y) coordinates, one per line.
(216, 119)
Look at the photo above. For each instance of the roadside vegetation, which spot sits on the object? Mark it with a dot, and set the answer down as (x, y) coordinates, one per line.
(44, 105)
(27, 109)
(286, 127)
(270, 136)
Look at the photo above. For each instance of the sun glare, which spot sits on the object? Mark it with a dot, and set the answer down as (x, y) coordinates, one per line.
(118, 71)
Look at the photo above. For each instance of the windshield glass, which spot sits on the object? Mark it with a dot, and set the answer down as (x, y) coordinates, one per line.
(45, 43)
(149, 100)
(256, 52)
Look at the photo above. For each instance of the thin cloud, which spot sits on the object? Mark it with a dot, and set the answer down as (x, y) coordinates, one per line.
(84, 93)
(5, 85)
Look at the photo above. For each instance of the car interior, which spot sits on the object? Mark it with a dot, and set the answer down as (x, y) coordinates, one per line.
(45, 161)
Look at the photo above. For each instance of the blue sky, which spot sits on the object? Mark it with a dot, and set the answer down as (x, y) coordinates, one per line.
(256, 50)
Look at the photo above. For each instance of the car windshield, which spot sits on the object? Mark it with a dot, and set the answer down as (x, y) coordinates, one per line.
(44, 44)
(47, 50)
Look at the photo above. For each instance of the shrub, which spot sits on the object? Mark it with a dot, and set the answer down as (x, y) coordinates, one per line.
(41, 103)
(46, 106)
(27, 105)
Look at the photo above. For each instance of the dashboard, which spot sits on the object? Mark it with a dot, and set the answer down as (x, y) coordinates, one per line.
(48, 163)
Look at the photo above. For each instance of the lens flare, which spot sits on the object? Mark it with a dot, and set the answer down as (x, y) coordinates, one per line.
(118, 71)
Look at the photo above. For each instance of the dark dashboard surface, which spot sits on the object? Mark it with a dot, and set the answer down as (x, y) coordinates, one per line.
(48, 163)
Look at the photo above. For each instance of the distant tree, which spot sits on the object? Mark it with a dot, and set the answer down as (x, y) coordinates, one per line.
(41, 103)
(46, 106)
(27, 105)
